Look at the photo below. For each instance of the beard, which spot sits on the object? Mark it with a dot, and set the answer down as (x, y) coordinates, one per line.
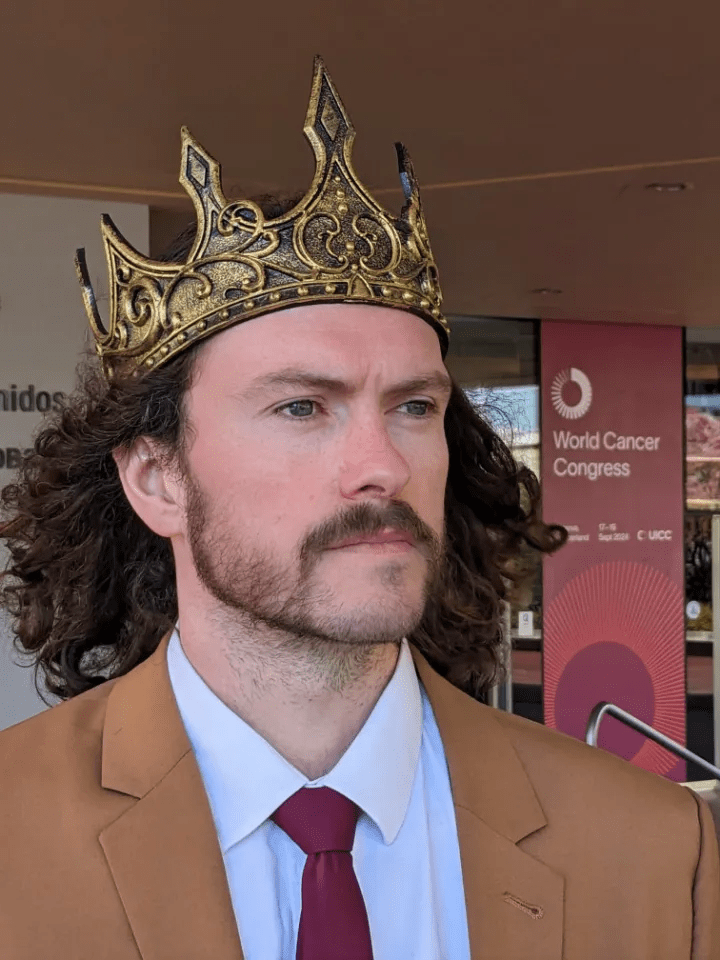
(285, 599)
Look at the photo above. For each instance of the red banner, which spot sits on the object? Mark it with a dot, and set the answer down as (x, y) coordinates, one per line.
(612, 473)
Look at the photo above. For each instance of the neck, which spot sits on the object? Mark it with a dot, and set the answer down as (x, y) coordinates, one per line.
(308, 699)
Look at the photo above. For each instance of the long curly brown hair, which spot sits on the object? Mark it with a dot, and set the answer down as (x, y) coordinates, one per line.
(92, 589)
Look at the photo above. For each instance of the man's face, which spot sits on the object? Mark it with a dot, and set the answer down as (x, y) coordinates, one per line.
(279, 475)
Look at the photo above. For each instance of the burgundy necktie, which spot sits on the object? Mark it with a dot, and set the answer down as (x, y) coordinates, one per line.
(333, 920)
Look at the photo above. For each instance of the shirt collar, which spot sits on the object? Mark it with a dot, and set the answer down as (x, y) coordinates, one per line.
(246, 779)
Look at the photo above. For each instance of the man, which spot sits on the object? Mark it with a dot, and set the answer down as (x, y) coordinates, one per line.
(285, 536)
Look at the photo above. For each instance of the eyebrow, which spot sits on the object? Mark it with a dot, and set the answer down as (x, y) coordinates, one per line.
(435, 381)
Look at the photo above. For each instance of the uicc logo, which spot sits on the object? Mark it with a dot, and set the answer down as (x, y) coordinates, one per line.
(571, 411)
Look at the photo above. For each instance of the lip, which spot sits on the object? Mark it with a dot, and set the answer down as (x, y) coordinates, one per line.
(396, 536)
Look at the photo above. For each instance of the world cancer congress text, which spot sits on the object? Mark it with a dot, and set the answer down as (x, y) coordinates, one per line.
(607, 440)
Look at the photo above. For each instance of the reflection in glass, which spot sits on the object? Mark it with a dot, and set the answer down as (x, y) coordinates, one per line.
(702, 476)
(698, 570)
(495, 361)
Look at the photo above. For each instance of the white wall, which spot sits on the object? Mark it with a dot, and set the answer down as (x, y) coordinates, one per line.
(43, 330)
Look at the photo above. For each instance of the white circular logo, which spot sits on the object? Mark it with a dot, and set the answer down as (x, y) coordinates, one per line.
(578, 409)
(693, 610)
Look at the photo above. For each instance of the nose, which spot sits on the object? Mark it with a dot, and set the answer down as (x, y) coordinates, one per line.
(372, 462)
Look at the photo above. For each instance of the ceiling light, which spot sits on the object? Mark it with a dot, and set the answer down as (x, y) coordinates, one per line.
(672, 187)
(547, 291)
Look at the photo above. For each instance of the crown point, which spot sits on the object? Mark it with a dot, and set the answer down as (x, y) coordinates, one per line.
(327, 124)
(407, 174)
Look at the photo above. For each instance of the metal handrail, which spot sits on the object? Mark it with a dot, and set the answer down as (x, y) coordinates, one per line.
(599, 711)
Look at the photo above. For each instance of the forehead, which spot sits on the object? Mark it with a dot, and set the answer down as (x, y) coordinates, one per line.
(350, 340)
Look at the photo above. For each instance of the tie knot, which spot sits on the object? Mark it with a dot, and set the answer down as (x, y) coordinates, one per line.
(318, 819)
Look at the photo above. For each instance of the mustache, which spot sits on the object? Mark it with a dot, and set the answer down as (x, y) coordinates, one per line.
(364, 520)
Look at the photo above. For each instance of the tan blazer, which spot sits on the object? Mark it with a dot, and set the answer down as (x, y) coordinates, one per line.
(108, 850)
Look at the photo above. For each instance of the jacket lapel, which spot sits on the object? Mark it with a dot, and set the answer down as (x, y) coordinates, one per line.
(514, 901)
(163, 852)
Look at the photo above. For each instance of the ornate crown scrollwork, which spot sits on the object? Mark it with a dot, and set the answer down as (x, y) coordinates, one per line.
(336, 246)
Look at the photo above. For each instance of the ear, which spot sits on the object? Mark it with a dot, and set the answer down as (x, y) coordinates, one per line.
(152, 488)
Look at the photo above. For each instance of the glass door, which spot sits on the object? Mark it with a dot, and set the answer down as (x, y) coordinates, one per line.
(496, 362)
(702, 542)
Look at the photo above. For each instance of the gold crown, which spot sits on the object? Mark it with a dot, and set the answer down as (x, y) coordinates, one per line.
(336, 246)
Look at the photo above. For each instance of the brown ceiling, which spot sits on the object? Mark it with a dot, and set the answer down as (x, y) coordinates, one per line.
(534, 127)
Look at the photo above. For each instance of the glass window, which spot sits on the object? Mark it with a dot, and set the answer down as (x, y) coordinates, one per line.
(496, 362)
(702, 503)
(702, 477)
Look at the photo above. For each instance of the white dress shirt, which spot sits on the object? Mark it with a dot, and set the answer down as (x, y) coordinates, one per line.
(406, 854)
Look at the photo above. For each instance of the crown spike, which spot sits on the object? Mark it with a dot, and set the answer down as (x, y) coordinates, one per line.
(200, 176)
(407, 173)
(88, 295)
(120, 253)
(412, 208)
(327, 124)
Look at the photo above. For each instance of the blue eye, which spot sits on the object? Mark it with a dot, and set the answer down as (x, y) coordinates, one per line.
(431, 409)
(294, 403)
